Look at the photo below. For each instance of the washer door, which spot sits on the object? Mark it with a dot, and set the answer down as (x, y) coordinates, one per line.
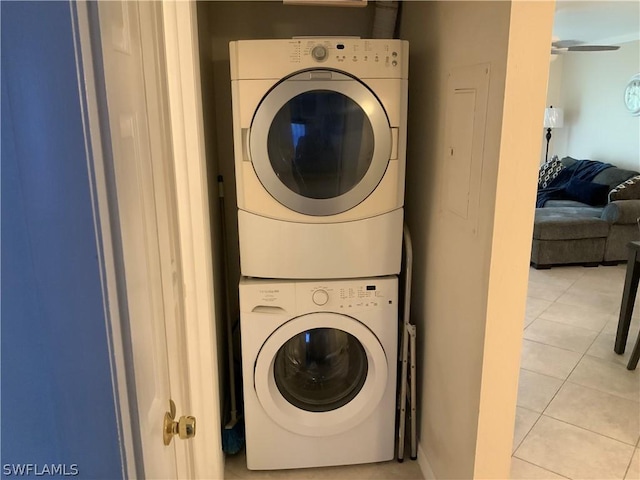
(320, 142)
(320, 374)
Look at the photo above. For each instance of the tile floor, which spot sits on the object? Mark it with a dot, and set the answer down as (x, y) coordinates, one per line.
(578, 411)
(236, 468)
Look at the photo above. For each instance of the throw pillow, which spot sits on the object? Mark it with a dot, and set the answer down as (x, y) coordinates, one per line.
(549, 171)
(594, 194)
(627, 190)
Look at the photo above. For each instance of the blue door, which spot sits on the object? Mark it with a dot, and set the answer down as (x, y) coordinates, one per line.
(58, 406)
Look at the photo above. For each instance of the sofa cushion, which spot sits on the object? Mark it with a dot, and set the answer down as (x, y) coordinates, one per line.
(622, 212)
(579, 211)
(569, 223)
(560, 227)
(568, 161)
(590, 193)
(549, 171)
(627, 190)
(564, 203)
(614, 176)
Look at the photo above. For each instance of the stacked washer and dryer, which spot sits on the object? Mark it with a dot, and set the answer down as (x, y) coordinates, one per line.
(320, 141)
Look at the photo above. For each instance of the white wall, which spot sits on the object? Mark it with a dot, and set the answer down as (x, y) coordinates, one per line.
(470, 280)
(597, 125)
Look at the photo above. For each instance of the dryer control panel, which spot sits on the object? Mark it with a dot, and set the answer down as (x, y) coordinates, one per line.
(276, 59)
(379, 53)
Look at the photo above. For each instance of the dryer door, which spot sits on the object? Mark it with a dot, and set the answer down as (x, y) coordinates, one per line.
(321, 374)
(320, 142)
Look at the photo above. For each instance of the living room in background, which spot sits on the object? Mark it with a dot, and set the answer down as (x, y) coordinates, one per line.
(597, 125)
(587, 217)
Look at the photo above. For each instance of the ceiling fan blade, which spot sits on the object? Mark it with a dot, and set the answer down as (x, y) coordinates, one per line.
(565, 43)
(592, 48)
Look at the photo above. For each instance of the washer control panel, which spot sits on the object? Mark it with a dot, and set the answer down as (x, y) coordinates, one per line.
(294, 297)
(343, 297)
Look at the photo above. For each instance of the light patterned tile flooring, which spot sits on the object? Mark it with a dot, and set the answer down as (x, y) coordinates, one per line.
(578, 413)
(236, 468)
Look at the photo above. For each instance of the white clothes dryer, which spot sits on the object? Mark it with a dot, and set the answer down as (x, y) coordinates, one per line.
(320, 143)
(319, 371)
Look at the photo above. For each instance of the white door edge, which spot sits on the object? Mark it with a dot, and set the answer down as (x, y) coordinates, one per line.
(106, 262)
(200, 395)
(192, 200)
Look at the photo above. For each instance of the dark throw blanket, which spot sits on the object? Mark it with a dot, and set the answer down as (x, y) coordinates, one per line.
(582, 170)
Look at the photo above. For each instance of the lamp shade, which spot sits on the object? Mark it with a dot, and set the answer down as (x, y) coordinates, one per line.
(553, 117)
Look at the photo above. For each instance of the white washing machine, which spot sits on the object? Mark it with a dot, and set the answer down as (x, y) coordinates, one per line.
(319, 371)
(320, 142)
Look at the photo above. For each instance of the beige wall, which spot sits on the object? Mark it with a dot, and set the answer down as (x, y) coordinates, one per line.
(597, 126)
(469, 285)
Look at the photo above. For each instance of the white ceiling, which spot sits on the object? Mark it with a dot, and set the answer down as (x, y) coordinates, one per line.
(606, 22)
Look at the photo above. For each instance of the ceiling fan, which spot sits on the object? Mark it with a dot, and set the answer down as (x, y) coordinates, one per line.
(564, 46)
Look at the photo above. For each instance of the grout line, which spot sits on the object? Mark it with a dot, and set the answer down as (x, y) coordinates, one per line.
(543, 374)
(591, 431)
(526, 435)
(571, 325)
(588, 387)
(540, 466)
(559, 348)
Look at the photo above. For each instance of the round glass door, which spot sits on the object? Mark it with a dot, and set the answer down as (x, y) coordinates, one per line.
(320, 369)
(320, 142)
(320, 374)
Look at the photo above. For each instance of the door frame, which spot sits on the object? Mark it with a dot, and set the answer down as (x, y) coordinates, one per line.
(200, 300)
(202, 456)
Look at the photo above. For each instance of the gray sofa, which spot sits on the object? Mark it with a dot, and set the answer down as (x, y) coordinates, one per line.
(589, 228)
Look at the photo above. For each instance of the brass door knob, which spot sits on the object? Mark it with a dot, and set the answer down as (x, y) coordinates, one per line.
(185, 427)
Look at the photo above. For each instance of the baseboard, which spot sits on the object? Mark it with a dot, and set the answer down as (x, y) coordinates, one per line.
(425, 466)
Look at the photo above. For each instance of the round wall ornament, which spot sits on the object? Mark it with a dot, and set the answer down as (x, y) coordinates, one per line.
(632, 95)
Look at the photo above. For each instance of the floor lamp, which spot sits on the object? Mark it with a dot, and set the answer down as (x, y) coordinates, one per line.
(553, 118)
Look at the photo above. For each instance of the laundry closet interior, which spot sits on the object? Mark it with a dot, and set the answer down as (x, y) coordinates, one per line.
(467, 215)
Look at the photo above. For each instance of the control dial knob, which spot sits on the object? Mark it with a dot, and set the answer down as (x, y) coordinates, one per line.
(319, 53)
(320, 297)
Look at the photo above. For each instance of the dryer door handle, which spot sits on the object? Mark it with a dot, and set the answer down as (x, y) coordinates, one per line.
(394, 143)
(245, 144)
(319, 75)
